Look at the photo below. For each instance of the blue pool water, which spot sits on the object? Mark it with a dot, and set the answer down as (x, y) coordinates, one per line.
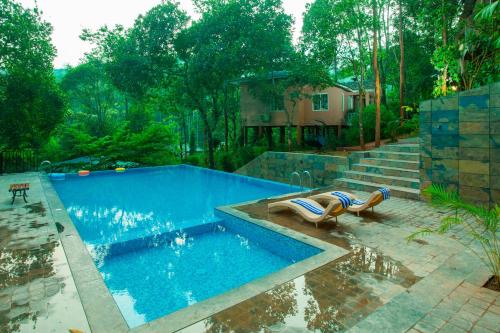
(161, 222)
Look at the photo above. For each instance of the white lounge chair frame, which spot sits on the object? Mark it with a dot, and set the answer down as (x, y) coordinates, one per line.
(305, 213)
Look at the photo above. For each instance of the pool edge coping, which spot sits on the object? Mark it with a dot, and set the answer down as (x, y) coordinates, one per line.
(103, 314)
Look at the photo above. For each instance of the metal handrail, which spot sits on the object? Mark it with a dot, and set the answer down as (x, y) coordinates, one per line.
(295, 173)
(310, 178)
(49, 163)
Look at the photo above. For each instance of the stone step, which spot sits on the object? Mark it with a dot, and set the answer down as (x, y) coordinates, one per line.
(403, 164)
(386, 170)
(393, 155)
(396, 191)
(402, 148)
(414, 140)
(381, 179)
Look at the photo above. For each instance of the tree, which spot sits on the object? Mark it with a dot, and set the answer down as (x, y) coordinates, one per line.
(376, 73)
(91, 93)
(31, 105)
(232, 39)
(142, 57)
(321, 33)
(401, 64)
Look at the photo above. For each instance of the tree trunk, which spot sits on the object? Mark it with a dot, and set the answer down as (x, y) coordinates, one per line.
(401, 66)
(360, 118)
(444, 87)
(361, 89)
(383, 60)
(226, 122)
(377, 76)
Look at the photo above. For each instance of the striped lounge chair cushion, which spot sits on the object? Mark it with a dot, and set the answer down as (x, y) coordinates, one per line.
(386, 193)
(345, 200)
(308, 206)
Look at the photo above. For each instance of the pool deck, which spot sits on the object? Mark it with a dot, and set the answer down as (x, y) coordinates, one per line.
(383, 283)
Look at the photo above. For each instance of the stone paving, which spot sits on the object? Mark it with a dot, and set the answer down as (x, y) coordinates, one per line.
(384, 283)
(37, 291)
(467, 308)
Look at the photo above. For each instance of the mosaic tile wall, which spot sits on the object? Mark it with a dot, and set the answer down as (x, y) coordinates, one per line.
(460, 143)
(278, 166)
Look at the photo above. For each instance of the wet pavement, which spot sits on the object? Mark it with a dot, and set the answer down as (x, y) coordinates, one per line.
(339, 295)
(384, 283)
(37, 291)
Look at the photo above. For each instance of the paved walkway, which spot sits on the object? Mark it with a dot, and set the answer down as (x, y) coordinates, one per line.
(37, 291)
(384, 284)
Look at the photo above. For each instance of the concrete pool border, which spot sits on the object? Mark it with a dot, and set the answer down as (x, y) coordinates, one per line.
(102, 312)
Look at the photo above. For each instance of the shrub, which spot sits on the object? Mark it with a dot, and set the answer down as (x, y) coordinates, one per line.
(386, 117)
(410, 126)
(226, 161)
(196, 160)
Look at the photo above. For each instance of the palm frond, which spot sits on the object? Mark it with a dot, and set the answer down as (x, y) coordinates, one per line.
(420, 233)
(447, 223)
(487, 12)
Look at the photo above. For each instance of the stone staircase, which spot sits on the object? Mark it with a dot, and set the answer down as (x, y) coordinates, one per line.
(395, 166)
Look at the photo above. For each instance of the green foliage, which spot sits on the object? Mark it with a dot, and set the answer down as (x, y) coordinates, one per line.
(228, 161)
(31, 104)
(92, 98)
(480, 223)
(153, 146)
(387, 118)
(192, 142)
(410, 126)
(231, 39)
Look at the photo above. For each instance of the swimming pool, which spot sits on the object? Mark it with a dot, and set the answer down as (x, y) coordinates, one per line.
(158, 242)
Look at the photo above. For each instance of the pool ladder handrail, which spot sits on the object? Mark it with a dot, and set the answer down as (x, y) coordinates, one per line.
(49, 163)
(299, 177)
(307, 173)
(295, 173)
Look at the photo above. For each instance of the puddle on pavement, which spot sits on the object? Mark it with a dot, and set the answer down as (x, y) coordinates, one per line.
(360, 258)
(331, 298)
(36, 208)
(29, 273)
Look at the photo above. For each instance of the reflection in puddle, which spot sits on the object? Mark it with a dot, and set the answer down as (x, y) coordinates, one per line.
(33, 273)
(331, 298)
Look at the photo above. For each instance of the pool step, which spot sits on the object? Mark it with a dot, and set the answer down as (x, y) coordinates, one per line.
(382, 179)
(386, 170)
(397, 191)
(402, 164)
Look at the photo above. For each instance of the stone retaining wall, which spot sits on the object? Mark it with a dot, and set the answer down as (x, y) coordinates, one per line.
(460, 143)
(278, 166)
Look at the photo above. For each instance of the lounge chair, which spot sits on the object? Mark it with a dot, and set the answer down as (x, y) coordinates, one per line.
(357, 205)
(309, 210)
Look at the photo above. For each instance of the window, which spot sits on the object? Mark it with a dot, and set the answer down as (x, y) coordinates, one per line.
(320, 102)
(277, 104)
(350, 103)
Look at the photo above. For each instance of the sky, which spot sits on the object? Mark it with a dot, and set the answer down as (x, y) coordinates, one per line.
(69, 17)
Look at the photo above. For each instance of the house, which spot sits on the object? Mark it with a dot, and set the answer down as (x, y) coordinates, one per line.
(320, 113)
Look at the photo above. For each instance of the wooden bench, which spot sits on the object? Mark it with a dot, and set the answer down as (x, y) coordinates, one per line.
(19, 190)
